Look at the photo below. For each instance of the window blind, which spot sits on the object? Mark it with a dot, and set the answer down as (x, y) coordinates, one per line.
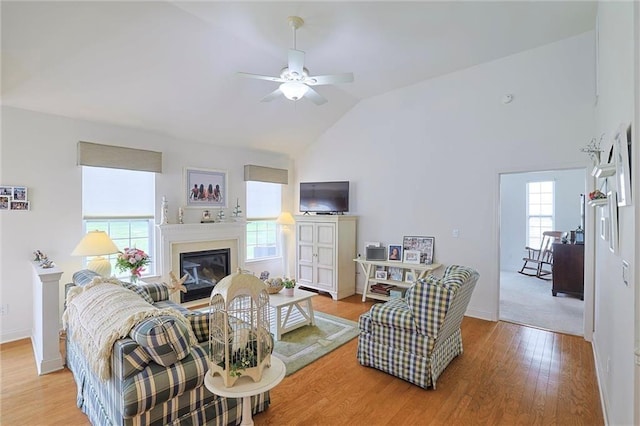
(118, 157)
(265, 174)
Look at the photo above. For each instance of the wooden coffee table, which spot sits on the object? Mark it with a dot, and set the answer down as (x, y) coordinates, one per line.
(293, 318)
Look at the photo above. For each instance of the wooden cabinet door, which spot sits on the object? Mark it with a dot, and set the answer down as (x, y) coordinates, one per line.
(325, 253)
(305, 259)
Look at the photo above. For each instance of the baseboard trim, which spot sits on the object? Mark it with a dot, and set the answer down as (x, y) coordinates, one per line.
(12, 336)
(600, 378)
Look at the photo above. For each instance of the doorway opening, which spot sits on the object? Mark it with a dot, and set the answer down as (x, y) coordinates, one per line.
(525, 299)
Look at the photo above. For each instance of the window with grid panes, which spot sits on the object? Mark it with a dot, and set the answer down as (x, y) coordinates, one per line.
(121, 203)
(263, 207)
(540, 211)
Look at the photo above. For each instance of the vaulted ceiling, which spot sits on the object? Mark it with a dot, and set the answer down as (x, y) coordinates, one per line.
(170, 66)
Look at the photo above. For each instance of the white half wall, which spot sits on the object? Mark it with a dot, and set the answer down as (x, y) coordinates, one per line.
(39, 151)
(425, 159)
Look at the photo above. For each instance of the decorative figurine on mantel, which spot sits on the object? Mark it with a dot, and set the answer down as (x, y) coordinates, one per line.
(164, 220)
(221, 215)
(236, 210)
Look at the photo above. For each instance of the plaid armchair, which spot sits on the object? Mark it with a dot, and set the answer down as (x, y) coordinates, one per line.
(416, 337)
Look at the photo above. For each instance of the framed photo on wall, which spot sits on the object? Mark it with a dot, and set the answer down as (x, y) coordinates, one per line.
(5, 201)
(424, 245)
(623, 169)
(613, 221)
(205, 188)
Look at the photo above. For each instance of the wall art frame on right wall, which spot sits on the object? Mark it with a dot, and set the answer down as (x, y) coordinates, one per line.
(613, 221)
(622, 154)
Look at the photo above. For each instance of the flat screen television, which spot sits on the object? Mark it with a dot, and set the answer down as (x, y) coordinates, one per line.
(324, 197)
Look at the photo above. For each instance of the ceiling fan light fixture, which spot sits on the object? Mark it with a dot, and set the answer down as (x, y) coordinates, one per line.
(293, 91)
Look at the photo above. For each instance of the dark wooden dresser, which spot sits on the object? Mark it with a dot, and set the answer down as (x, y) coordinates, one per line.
(568, 269)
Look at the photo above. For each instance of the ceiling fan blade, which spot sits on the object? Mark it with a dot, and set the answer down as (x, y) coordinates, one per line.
(315, 97)
(271, 96)
(296, 61)
(318, 80)
(260, 77)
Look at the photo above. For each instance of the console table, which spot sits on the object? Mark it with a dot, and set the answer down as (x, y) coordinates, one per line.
(419, 270)
(568, 269)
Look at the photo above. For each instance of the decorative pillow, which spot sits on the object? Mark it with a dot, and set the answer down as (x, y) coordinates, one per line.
(164, 338)
(84, 277)
(200, 325)
(141, 291)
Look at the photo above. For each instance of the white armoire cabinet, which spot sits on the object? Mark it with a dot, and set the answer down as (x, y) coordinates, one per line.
(325, 249)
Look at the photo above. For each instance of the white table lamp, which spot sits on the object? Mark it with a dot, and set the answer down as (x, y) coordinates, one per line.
(96, 243)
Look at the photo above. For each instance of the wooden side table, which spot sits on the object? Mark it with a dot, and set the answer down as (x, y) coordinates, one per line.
(290, 321)
(245, 387)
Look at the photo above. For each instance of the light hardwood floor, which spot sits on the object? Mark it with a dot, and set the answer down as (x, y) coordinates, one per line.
(509, 374)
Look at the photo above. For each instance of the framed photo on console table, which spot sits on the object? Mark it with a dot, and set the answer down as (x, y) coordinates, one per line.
(394, 253)
(424, 245)
(411, 256)
(205, 188)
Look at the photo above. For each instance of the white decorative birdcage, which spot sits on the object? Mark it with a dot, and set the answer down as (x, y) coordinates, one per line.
(240, 341)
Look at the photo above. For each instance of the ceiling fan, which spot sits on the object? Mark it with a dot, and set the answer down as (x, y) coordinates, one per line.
(295, 79)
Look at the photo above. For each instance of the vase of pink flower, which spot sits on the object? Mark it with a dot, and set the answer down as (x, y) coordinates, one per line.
(132, 260)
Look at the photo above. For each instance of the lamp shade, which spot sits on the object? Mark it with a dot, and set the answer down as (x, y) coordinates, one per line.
(96, 243)
(285, 218)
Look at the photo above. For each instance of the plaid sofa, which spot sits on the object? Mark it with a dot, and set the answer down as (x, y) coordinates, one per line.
(416, 337)
(140, 390)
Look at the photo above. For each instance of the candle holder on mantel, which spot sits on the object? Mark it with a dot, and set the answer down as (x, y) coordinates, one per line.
(236, 210)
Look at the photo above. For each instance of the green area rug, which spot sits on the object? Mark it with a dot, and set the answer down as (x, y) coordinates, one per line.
(304, 345)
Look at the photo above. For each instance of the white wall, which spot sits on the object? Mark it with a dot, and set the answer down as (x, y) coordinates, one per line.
(39, 151)
(614, 314)
(569, 184)
(425, 159)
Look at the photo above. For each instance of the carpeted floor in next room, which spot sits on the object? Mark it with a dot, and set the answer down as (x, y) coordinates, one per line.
(528, 300)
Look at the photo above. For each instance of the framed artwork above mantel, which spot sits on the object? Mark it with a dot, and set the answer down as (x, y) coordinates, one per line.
(205, 188)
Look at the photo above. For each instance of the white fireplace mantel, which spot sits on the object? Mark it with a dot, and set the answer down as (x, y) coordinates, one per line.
(169, 235)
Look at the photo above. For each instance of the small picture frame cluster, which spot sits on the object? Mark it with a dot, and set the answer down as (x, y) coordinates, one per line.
(14, 198)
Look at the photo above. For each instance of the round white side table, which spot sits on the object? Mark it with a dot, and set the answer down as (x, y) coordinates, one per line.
(245, 387)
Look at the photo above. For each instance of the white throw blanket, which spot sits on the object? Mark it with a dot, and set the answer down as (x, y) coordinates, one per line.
(101, 313)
